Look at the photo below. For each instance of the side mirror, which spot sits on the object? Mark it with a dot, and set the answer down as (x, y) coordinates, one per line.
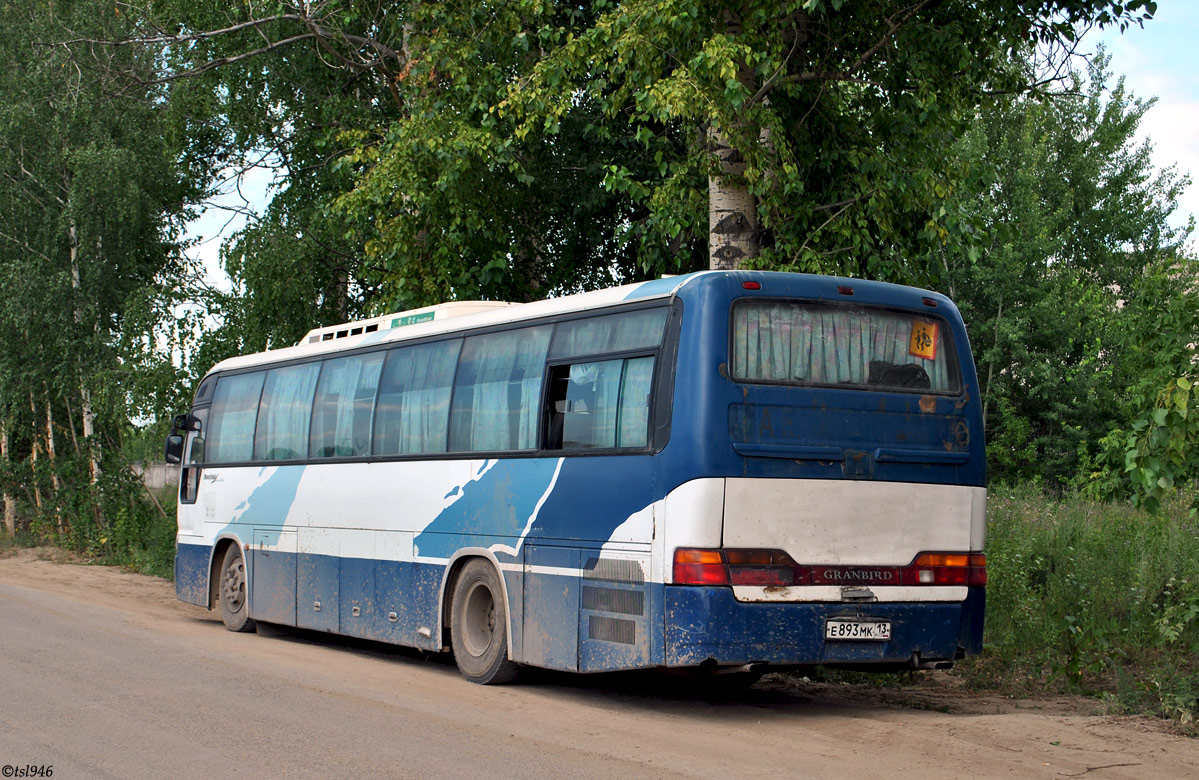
(185, 422)
(173, 452)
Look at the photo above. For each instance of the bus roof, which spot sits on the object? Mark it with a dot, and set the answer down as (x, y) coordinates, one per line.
(452, 317)
(467, 315)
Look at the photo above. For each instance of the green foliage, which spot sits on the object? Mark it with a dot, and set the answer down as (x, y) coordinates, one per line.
(1094, 598)
(292, 80)
(526, 126)
(94, 189)
(1162, 450)
(465, 207)
(1077, 264)
(1152, 453)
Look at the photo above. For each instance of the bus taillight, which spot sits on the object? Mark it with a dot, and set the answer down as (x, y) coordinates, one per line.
(775, 568)
(700, 567)
(946, 569)
(764, 568)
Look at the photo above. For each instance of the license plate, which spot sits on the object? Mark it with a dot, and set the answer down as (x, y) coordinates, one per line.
(849, 630)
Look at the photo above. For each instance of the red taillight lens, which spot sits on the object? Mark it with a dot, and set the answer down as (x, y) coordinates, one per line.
(946, 569)
(699, 567)
(764, 568)
(978, 569)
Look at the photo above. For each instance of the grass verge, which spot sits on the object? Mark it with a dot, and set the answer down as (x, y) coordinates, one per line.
(1091, 598)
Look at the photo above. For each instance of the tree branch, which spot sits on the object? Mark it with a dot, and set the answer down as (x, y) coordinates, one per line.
(25, 245)
(187, 38)
(323, 35)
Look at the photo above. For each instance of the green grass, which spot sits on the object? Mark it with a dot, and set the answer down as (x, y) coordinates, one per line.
(1092, 598)
(129, 531)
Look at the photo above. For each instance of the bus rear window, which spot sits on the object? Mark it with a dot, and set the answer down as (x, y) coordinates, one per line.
(792, 342)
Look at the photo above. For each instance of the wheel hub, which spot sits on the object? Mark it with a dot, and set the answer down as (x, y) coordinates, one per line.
(233, 586)
(479, 613)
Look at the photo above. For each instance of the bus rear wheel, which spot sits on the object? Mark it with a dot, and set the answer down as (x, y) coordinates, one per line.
(233, 591)
(479, 626)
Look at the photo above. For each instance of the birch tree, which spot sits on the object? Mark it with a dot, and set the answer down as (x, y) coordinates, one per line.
(91, 196)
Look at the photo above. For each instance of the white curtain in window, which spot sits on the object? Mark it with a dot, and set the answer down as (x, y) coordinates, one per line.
(634, 402)
(826, 344)
(610, 333)
(284, 413)
(497, 391)
(414, 399)
(234, 411)
(345, 399)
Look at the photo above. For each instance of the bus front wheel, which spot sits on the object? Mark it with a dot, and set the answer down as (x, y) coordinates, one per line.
(233, 591)
(479, 625)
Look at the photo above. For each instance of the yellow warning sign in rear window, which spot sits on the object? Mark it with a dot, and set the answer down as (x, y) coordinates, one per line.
(924, 340)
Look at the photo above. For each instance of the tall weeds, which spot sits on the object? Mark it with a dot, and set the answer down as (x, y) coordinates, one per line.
(1092, 598)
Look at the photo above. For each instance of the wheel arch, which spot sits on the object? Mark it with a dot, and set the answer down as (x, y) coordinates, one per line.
(453, 568)
(219, 548)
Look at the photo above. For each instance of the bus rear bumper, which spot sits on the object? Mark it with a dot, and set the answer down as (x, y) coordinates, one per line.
(706, 626)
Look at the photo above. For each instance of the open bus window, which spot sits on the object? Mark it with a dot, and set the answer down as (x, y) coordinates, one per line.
(599, 405)
(794, 342)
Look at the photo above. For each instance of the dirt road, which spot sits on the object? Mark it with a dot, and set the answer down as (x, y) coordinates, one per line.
(104, 675)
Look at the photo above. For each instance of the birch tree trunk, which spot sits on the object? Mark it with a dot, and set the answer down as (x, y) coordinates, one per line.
(51, 452)
(85, 395)
(733, 235)
(10, 511)
(732, 211)
(89, 429)
(33, 450)
(50, 456)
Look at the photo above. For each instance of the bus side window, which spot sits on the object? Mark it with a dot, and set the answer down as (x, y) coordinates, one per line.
(234, 413)
(345, 402)
(497, 389)
(599, 404)
(412, 414)
(285, 412)
(610, 333)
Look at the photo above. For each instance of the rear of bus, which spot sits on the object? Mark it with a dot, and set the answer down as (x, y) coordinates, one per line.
(842, 516)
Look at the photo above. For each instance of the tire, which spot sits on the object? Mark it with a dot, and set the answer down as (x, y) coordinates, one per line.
(479, 626)
(233, 591)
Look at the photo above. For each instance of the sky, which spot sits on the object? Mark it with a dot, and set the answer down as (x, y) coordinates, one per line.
(1160, 59)
(223, 216)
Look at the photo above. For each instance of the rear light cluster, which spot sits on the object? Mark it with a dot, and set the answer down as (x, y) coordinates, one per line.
(775, 568)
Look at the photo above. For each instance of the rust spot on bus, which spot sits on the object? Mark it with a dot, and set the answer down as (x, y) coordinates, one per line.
(928, 404)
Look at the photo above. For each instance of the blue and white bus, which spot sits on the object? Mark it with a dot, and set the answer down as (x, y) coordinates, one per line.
(723, 471)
